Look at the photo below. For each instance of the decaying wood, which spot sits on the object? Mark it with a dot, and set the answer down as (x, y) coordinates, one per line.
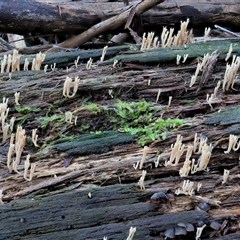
(76, 17)
(109, 24)
(106, 171)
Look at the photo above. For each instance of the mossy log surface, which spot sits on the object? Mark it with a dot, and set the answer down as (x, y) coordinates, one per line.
(192, 50)
(55, 203)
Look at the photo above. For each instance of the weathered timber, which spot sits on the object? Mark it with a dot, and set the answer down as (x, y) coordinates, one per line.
(193, 50)
(93, 144)
(41, 209)
(131, 53)
(116, 209)
(30, 16)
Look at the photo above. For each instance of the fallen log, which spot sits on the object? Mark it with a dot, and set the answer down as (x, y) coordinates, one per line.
(78, 16)
(116, 201)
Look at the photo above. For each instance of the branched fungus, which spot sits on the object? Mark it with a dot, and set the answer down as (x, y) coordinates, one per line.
(176, 153)
(187, 188)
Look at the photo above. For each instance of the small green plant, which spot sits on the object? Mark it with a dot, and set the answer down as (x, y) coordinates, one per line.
(92, 107)
(26, 109)
(44, 121)
(138, 118)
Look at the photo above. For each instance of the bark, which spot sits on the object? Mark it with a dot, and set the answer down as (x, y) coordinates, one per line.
(109, 24)
(48, 206)
(77, 17)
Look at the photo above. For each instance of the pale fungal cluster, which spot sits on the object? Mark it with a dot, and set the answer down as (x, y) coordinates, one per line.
(200, 66)
(149, 41)
(199, 146)
(89, 64)
(11, 62)
(69, 118)
(213, 96)
(176, 153)
(187, 188)
(27, 164)
(183, 36)
(17, 142)
(20, 141)
(233, 144)
(185, 56)
(230, 74)
(4, 110)
(132, 231)
(38, 60)
(17, 148)
(167, 39)
(68, 85)
(206, 33)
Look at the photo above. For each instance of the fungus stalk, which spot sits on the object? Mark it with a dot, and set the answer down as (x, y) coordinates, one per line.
(9, 157)
(68, 117)
(199, 232)
(132, 231)
(184, 171)
(206, 33)
(103, 53)
(187, 188)
(67, 86)
(3, 63)
(232, 143)
(176, 153)
(158, 95)
(185, 56)
(225, 175)
(229, 52)
(230, 74)
(5, 132)
(89, 64)
(203, 159)
(15, 61)
(19, 145)
(1, 197)
(26, 167)
(35, 137)
(145, 152)
(178, 59)
(17, 95)
(26, 64)
(76, 61)
(141, 180)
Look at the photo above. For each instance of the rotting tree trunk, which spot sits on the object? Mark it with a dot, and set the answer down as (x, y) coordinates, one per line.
(112, 210)
(69, 18)
(132, 54)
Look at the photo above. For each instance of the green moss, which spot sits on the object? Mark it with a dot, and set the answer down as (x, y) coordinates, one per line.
(138, 118)
(26, 110)
(187, 101)
(44, 121)
(92, 107)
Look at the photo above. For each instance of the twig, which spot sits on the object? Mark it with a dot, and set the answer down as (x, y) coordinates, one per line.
(227, 31)
(109, 24)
